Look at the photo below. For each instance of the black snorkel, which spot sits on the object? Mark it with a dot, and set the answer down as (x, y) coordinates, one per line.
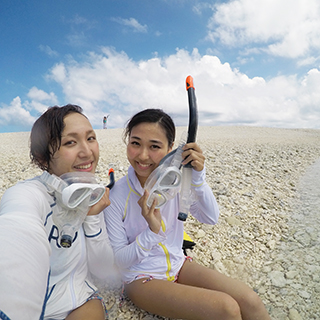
(111, 177)
(187, 169)
(173, 160)
(193, 112)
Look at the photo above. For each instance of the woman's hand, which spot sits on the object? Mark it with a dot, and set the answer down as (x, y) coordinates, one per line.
(101, 205)
(152, 215)
(193, 154)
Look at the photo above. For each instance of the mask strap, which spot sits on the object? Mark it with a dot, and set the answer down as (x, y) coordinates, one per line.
(53, 181)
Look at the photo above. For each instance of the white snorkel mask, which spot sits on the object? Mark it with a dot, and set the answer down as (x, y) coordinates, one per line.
(72, 188)
(164, 182)
(74, 192)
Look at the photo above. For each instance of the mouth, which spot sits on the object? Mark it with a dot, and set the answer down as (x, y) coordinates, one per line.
(144, 165)
(84, 167)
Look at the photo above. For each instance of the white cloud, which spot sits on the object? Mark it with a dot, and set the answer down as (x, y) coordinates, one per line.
(78, 20)
(20, 114)
(15, 114)
(40, 95)
(284, 28)
(40, 100)
(132, 23)
(111, 82)
(47, 50)
(76, 39)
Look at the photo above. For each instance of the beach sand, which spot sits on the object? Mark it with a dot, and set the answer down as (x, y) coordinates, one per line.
(255, 174)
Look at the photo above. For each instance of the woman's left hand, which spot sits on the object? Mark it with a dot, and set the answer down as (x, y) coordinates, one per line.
(193, 154)
(101, 205)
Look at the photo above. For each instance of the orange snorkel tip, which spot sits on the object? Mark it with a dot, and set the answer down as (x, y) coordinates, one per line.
(189, 83)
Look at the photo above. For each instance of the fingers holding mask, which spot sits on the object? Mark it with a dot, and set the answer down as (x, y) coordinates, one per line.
(151, 214)
(193, 154)
(101, 204)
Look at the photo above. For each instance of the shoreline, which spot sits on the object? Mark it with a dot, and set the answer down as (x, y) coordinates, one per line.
(254, 173)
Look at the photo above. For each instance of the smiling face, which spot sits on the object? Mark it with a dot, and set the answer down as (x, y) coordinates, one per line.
(79, 150)
(147, 145)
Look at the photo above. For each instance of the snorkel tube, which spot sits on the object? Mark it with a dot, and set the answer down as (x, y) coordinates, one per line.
(166, 180)
(111, 177)
(193, 112)
(187, 169)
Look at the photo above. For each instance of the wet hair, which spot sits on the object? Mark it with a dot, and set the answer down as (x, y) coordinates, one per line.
(152, 116)
(45, 137)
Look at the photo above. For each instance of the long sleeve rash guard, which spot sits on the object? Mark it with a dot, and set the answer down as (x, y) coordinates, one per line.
(39, 279)
(141, 252)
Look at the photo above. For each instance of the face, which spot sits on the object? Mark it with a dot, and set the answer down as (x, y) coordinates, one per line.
(79, 149)
(147, 145)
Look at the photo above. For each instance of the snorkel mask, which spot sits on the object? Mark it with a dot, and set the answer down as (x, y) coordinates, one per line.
(74, 192)
(72, 188)
(167, 180)
(164, 182)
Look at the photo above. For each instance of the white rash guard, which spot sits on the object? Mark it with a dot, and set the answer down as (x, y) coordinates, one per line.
(141, 252)
(38, 278)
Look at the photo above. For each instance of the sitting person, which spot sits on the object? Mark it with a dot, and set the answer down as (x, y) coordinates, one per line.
(147, 241)
(39, 278)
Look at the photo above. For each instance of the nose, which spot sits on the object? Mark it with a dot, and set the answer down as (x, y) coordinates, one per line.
(85, 150)
(144, 154)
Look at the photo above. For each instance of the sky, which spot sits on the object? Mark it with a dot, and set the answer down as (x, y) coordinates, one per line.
(253, 63)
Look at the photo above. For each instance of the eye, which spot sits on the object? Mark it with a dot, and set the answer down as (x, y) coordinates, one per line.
(135, 143)
(92, 138)
(69, 143)
(155, 146)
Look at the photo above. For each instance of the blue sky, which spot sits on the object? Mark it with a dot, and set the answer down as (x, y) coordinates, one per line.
(253, 62)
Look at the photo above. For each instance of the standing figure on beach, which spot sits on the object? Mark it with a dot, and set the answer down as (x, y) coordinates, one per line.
(39, 278)
(105, 118)
(147, 241)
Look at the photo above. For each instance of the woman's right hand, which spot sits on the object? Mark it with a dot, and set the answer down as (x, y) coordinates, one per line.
(101, 205)
(152, 215)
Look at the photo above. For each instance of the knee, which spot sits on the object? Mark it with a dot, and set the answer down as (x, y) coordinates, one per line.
(233, 310)
(230, 308)
(252, 302)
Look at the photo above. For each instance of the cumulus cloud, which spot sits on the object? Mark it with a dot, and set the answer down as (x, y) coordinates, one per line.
(133, 24)
(16, 114)
(21, 115)
(110, 82)
(281, 28)
(40, 100)
(40, 95)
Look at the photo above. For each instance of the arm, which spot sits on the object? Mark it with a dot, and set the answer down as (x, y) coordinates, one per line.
(128, 254)
(205, 209)
(99, 250)
(24, 252)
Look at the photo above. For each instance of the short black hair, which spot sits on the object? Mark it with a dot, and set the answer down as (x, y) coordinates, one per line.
(45, 137)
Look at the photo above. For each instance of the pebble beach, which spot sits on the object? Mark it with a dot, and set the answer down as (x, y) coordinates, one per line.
(267, 185)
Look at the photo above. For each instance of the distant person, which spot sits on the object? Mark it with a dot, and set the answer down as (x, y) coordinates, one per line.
(39, 278)
(147, 242)
(105, 121)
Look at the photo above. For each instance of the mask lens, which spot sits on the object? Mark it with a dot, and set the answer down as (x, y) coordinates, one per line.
(78, 196)
(96, 195)
(74, 194)
(158, 196)
(171, 179)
